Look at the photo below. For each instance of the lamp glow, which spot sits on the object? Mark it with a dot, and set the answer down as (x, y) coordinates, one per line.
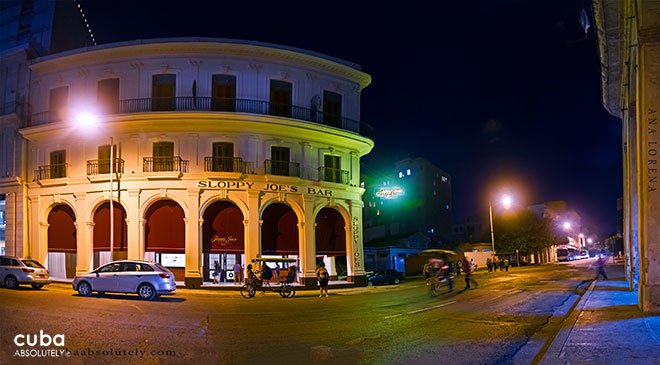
(86, 120)
(506, 201)
(567, 225)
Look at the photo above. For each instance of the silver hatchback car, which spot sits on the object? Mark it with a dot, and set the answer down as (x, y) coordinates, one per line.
(15, 271)
(149, 280)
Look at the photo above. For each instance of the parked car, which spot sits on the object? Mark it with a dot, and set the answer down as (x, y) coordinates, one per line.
(15, 271)
(386, 277)
(147, 279)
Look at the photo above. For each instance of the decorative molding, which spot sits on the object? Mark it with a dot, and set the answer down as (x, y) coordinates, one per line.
(284, 75)
(255, 66)
(163, 193)
(136, 65)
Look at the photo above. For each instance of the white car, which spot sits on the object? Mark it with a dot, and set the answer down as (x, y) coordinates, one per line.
(149, 280)
(15, 271)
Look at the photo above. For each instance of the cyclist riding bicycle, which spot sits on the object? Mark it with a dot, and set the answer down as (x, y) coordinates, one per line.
(252, 278)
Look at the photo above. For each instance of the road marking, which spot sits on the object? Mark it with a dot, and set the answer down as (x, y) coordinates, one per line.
(421, 310)
(430, 308)
(138, 308)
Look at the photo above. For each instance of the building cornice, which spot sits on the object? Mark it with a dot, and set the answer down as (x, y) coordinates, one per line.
(201, 46)
(607, 19)
(182, 122)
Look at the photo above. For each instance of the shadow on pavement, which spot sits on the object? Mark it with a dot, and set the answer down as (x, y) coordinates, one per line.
(131, 297)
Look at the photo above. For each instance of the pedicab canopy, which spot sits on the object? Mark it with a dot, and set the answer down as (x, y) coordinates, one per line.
(275, 259)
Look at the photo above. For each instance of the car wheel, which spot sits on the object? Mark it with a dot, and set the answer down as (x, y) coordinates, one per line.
(37, 286)
(146, 292)
(84, 289)
(396, 281)
(370, 283)
(11, 282)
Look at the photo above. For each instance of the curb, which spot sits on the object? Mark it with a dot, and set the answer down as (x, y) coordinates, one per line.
(540, 343)
(553, 352)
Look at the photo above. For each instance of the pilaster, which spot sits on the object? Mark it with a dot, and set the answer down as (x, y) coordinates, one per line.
(193, 276)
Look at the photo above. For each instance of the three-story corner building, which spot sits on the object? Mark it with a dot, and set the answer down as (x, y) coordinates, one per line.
(208, 150)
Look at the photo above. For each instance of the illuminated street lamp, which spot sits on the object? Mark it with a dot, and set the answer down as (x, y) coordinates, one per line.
(590, 240)
(567, 225)
(506, 203)
(87, 120)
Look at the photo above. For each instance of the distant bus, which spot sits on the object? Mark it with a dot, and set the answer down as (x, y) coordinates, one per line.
(567, 254)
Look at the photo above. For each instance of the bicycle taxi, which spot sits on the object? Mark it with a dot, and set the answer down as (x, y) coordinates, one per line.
(258, 279)
(438, 269)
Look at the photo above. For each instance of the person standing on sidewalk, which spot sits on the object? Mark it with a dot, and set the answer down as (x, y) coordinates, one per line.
(600, 266)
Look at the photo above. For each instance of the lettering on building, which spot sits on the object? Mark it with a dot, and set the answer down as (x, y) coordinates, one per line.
(652, 151)
(356, 243)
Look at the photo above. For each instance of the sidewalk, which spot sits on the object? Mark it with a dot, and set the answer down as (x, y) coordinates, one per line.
(607, 327)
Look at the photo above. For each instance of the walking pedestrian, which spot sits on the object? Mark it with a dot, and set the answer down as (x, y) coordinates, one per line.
(506, 264)
(449, 275)
(216, 272)
(459, 265)
(489, 264)
(238, 273)
(467, 268)
(323, 278)
(500, 263)
(600, 265)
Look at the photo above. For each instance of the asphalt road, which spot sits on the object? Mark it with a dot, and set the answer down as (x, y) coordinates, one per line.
(394, 324)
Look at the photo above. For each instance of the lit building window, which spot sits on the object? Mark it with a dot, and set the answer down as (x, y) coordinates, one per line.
(362, 184)
(444, 179)
(378, 212)
(408, 172)
(400, 174)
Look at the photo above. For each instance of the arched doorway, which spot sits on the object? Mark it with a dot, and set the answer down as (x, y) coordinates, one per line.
(165, 236)
(330, 238)
(102, 234)
(279, 234)
(223, 235)
(62, 243)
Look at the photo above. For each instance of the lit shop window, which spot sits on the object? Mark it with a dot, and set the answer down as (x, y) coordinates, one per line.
(400, 174)
(408, 172)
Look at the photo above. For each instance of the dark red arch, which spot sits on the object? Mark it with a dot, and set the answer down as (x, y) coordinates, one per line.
(223, 230)
(165, 230)
(330, 233)
(279, 230)
(102, 228)
(61, 229)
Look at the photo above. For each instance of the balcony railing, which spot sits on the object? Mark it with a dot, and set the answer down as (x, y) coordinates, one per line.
(55, 171)
(223, 164)
(163, 164)
(102, 166)
(282, 168)
(192, 103)
(333, 175)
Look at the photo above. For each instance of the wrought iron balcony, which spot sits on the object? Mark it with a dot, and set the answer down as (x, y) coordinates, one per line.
(225, 164)
(282, 168)
(55, 171)
(163, 164)
(102, 166)
(333, 175)
(199, 103)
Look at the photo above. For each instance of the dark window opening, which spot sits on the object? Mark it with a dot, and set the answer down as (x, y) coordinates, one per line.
(108, 96)
(163, 92)
(223, 93)
(331, 109)
(280, 98)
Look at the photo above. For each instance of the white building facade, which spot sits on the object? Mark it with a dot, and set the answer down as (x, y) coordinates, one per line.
(221, 151)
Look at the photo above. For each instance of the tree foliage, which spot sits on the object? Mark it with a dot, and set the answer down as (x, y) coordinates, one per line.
(525, 232)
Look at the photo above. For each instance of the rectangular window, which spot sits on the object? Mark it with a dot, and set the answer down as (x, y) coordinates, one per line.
(223, 93)
(104, 159)
(57, 164)
(163, 156)
(279, 161)
(223, 156)
(280, 98)
(107, 97)
(331, 168)
(163, 92)
(331, 109)
(59, 102)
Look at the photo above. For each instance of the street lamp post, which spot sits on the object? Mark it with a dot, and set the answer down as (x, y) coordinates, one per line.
(506, 202)
(492, 234)
(112, 210)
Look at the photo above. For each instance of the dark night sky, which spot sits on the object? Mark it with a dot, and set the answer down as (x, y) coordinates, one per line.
(489, 91)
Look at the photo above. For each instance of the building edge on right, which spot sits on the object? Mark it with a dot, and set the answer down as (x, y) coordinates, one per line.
(629, 50)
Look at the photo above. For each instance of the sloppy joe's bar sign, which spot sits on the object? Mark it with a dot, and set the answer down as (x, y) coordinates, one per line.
(206, 184)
